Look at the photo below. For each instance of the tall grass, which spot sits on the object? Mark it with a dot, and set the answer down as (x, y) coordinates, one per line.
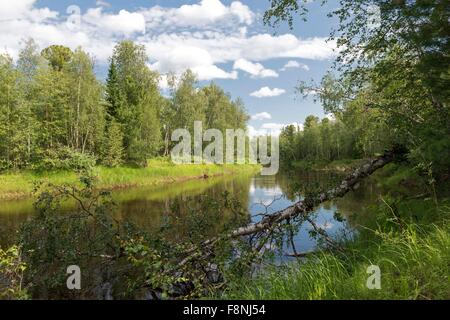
(414, 265)
(414, 259)
(158, 172)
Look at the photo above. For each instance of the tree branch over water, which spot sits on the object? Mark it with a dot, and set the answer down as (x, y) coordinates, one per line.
(300, 209)
(304, 207)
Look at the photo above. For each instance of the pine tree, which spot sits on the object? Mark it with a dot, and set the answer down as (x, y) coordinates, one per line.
(113, 150)
(134, 99)
(114, 97)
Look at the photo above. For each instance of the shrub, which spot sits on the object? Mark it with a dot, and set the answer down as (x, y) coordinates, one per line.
(65, 159)
(11, 274)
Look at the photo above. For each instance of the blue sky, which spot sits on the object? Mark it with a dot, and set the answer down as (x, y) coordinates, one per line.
(221, 40)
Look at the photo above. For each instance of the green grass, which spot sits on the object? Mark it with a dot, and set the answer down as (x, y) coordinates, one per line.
(408, 239)
(159, 172)
(336, 165)
(414, 265)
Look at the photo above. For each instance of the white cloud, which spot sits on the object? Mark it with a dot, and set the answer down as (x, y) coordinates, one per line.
(102, 3)
(292, 64)
(262, 116)
(266, 92)
(178, 59)
(202, 36)
(273, 129)
(256, 70)
(12, 11)
(242, 11)
(15, 9)
(224, 47)
(205, 13)
(210, 72)
(124, 22)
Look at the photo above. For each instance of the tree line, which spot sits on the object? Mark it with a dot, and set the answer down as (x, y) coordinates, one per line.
(390, 84)
(56, 114)
(354, 134)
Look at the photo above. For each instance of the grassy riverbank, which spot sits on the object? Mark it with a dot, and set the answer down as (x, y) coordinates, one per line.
(337, 165)
(15, 185)
(414, 265)
(408, 237)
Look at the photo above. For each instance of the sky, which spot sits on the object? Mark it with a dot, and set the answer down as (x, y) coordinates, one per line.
(220, 40)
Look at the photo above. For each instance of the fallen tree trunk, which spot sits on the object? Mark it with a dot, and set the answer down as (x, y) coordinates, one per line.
(306, 206)
(302, 208)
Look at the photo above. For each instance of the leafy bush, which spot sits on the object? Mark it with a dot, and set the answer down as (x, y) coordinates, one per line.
(65, 159)
(12, 270)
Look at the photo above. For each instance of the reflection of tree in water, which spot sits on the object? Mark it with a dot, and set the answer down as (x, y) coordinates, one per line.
(8, 229)
(298, 184)
(355, 204)
(295, 185)
(152, 214)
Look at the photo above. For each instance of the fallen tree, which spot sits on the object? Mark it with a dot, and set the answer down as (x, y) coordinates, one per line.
(304, 207)
(157, 265)
(307, 205)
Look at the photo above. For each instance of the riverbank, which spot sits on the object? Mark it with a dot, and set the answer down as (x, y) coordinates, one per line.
(414, 265)
(345, 165)
(406, 233)
(19, 185)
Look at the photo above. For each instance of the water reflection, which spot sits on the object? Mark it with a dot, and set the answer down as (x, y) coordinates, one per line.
(147, 207)
(271, 194)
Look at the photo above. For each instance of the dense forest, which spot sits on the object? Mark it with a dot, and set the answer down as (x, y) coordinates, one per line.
(55, 113)
(352, 135)
(390, 85)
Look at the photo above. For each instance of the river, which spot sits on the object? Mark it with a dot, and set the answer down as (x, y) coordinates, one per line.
(147, 207)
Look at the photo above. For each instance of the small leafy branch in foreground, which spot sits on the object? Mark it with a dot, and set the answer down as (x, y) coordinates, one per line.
(76, 225)
(12, 270)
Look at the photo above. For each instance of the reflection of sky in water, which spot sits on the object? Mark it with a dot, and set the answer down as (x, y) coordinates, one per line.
(268, 197)
(146, 207)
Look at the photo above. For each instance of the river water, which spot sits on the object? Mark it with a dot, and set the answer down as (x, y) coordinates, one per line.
(147, 207)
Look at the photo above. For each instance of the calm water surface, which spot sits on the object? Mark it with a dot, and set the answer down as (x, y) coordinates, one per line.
(147, 207)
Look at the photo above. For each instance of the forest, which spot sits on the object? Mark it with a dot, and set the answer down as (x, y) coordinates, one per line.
(55, 114)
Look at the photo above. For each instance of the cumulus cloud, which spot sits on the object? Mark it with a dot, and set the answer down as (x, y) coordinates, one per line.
(203, 36)
(266, 92)
(272, 129)
(225, 47)
(256, 70)
(210, 72)
(23, 11)
(124, 22)
(179, 58)
(262, 116)
(205, 13)
(292, 64)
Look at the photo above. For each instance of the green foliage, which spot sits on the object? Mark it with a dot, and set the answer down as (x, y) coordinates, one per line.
(58, 56)
(210, 104)
(65, 159)
(113, 151)
(12, 270)
(57, 238)
(133, 100)
(51, 101)
(14, 117)
(353, 134)
(413, 258)
(390, 81)
(164, 263)
(390, 86)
